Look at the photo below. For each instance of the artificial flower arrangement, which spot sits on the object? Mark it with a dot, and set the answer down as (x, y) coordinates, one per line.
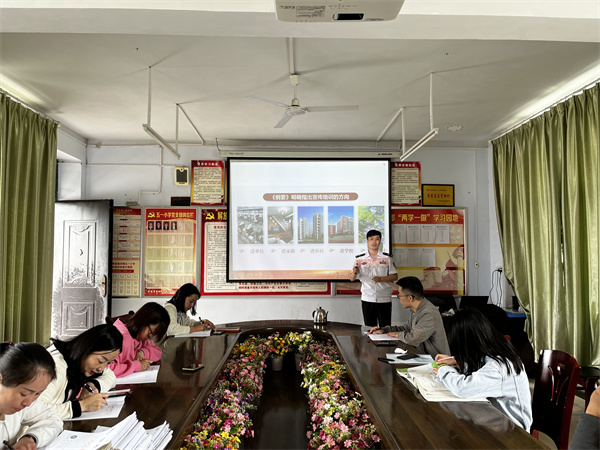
(338, 417)
(278, 345)
(225, 417)
(299, 341)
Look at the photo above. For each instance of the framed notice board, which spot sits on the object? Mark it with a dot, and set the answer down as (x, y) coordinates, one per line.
(127, 224)
(214, 265)
(429, 243)
(209, 183)
(170, 250)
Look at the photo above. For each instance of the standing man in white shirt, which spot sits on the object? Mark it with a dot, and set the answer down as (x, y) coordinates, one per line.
(377, 272)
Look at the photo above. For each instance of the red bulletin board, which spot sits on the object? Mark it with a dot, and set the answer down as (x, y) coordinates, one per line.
(429, 243)
(214, 265)
(170, 250)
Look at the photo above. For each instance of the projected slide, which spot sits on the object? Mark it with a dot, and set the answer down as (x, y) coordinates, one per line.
(303, 219)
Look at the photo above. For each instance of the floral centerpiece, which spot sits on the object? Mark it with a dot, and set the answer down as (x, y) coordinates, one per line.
(298, 342)
(278, 345)
(225, 416)
(338, 416)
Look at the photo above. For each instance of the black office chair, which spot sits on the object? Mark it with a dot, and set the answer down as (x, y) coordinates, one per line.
(473, 301)
(444, 302)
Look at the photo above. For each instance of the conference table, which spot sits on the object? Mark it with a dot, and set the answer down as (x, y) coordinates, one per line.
(403, 418)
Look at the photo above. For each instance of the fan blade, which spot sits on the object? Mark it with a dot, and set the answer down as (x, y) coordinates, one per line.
(284, 119)
(330, 108)
(266, 100)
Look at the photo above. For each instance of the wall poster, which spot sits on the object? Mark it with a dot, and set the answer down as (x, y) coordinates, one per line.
(429, 243)
(214, 266)
(209, 183)
(406, 183)
(127, 246)
(170, 250)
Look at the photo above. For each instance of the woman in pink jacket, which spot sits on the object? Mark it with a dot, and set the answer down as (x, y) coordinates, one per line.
(149, 322)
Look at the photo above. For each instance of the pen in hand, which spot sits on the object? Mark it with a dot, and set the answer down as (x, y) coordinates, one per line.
(88, 388)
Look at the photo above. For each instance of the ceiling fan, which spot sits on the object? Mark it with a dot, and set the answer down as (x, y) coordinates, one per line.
(294, 108)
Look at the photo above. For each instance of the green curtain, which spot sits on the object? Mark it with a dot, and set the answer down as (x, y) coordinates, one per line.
(27, 186)
(546, 181)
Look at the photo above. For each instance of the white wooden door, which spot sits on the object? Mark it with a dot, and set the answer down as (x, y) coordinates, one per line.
(81, 291)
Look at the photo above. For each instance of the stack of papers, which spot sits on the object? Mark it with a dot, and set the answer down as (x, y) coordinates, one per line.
(423, 379)
(129, 434)
(147, 376)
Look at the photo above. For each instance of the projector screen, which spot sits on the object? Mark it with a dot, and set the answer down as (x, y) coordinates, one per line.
(293, 220)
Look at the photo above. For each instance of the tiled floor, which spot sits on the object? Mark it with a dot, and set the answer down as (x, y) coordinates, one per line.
(578, 409)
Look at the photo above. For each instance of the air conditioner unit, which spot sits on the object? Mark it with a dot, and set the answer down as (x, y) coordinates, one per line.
(337, 10)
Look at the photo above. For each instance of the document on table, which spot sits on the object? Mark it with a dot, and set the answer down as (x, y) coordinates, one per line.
(129, 434)
(420, 359)
(431, 389)
(74, 440)
(147, 376)
(382, 337)
(110, 410)
(204, 333)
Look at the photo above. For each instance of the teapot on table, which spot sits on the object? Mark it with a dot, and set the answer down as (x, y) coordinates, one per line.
(320, 315)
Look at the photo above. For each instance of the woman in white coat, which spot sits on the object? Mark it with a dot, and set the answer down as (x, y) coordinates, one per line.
(485, 364)
(82, 376)
(26, 369)
(183, 301)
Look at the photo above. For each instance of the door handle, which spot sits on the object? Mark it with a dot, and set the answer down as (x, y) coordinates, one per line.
(103, 286)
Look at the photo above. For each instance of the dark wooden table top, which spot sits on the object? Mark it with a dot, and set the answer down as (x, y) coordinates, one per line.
(404, 419)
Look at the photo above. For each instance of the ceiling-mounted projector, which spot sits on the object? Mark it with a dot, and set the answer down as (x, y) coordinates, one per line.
(337, 10)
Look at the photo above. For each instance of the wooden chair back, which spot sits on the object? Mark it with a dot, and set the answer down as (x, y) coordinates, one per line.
(124, 318)
(553, 395)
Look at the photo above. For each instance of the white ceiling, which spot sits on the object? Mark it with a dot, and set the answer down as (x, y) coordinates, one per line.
(494, 63)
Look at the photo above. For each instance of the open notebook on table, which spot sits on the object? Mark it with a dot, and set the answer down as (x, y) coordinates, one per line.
(112, 409)
(432, 390)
